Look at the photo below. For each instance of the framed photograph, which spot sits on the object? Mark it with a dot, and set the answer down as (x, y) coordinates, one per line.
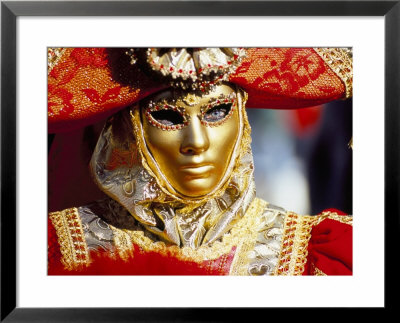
(219, 67)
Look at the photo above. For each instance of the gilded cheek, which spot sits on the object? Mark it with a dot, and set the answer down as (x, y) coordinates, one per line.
(193, 160)
(225, 136)
(163, 145)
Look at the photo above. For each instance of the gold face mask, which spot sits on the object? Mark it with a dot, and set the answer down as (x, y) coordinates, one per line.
(190, 139)
(180, 163)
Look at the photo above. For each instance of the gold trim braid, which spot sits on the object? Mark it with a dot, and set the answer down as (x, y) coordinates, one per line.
(318, 272)
(296, 235)
(340, 60)
(71, 238)
(53, 57)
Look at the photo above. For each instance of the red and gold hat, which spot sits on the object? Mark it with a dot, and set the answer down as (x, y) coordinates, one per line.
(86, 85)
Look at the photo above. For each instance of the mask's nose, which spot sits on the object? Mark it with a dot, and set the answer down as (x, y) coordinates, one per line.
(195, 140)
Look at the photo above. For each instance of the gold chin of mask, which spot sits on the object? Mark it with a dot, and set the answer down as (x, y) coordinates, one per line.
(191, 140)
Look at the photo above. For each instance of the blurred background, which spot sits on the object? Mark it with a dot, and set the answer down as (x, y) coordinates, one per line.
(302, 158)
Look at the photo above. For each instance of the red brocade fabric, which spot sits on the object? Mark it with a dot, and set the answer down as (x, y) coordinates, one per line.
(87, 85)
(83, 90)
(282, 78)
(330, 248)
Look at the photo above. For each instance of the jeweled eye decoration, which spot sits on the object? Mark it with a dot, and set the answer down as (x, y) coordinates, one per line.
(218, 110)
(166, 116)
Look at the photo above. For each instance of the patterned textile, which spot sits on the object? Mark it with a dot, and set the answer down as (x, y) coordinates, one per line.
(145, 226)
(86, 85)
(267, 241)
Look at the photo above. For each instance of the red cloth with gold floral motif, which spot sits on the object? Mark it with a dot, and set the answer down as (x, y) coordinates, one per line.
(87, 85)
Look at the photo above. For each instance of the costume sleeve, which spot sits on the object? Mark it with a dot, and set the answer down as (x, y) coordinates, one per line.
(67, 247)
(330, 246)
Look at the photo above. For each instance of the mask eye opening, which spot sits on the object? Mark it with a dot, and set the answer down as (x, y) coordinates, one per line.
(217, 114)
(167, 117)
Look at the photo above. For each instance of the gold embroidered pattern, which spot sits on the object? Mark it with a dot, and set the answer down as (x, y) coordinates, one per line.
(243, 233)
(53, 57)
(345, 219)
(297, 233)
(264, 256)
(340, 60)
(242, 259)
(70, 238)
(122, 242)
(318, 272)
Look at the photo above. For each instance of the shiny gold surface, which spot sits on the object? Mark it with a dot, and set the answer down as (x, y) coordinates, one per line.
(243, 234)
(124, 168)
(193, 159)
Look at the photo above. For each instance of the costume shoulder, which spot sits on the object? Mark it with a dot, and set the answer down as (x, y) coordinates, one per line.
(94, 240)
(316, 245)
(74, 233)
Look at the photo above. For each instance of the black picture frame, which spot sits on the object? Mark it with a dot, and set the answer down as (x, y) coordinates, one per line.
(10, 10)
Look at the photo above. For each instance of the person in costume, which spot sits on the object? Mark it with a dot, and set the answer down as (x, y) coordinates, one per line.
(174, 162)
